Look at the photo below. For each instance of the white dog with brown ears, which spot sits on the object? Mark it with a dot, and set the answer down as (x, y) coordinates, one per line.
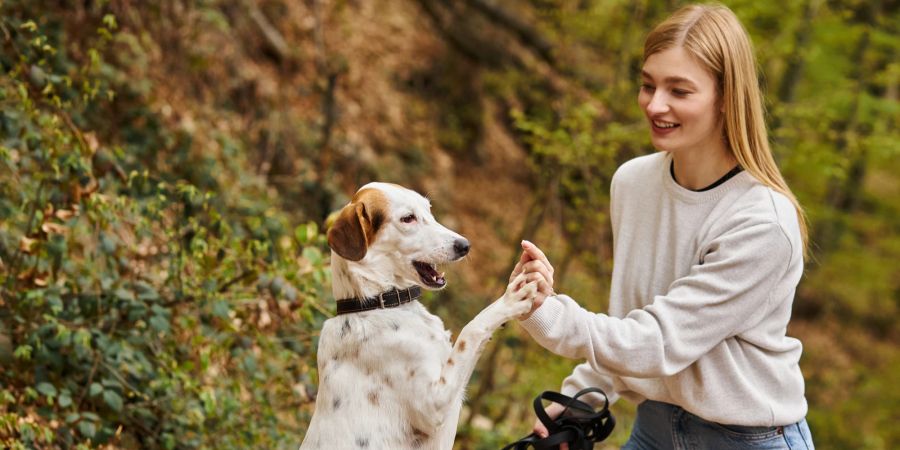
(388, 376)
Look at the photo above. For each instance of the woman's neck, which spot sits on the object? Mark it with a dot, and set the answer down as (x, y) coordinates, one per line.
(696, 170)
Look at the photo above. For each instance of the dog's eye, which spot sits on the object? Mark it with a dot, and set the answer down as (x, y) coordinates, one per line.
(409, 218)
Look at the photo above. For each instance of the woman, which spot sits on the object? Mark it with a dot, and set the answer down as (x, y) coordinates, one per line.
(708, 250)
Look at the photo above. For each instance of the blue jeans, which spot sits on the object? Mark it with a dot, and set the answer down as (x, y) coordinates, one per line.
(661, 426)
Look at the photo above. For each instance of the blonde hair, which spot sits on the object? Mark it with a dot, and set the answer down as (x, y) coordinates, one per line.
(715, 37)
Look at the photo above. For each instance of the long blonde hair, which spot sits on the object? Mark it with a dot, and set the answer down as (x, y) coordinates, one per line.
(715, 37)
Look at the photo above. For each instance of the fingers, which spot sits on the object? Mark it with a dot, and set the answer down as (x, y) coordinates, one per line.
(553, 410)
(518, 281)
(527, 291)
(516, 271)
(534, 277)
(525, 256)
(539, 429)
(538, 267)
(537, 292)
(520, 265)
(535, 255)
(544, 288)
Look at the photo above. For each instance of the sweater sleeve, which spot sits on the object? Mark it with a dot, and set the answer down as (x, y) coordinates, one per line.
(725, 294)
(584, 376)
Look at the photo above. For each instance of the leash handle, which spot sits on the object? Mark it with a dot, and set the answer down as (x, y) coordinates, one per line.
(578, 424)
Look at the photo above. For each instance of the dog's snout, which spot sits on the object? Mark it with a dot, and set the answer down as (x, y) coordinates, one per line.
(461, 246)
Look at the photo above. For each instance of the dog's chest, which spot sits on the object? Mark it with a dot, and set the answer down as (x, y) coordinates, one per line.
(371, 367)
(382, 347)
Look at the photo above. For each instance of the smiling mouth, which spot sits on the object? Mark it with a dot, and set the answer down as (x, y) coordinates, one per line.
(429, 275)
(660, 125)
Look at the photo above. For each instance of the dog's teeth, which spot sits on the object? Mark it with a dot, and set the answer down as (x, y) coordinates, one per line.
(442, 274)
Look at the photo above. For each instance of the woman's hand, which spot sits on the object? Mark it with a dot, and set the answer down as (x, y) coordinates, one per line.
(534, 264)
(553, 410)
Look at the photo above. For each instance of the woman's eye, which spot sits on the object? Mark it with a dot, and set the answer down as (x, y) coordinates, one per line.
(408, 218)
(647, 87)
(680, 92)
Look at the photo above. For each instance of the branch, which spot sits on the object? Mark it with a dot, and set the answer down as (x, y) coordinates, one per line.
(274, 40)
(526, 34)
(462, 38)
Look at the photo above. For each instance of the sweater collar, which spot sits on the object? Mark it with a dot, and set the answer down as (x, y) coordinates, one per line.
(696, 197)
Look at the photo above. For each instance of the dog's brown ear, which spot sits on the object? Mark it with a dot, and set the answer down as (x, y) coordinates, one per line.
(356, 226)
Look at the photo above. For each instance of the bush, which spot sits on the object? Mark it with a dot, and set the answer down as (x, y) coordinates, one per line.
(140, 307)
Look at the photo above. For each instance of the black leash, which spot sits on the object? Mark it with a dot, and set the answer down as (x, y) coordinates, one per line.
(579, 425)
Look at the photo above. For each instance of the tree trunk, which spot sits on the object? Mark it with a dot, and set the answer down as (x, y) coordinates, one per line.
(844, 193)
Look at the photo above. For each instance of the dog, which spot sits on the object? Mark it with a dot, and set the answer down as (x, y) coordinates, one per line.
(388, 375)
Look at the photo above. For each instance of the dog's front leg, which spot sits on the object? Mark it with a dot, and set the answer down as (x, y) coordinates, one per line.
(444, 392)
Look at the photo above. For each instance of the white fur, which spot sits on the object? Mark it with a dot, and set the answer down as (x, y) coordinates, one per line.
(389, 378)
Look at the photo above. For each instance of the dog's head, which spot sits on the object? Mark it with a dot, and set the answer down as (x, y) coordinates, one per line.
(389, 231)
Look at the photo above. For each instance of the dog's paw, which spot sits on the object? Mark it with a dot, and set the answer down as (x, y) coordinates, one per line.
(513, 288)
(520, 295)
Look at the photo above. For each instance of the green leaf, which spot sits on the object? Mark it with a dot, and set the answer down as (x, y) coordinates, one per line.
(87, 428)
(306, 232)
(56, 303)
(113, 400)
(221, 309)
(65, 400)
(47, 389)
(124, 294)
(159, 323)
(313, 255)
(23, 352)
(146, 291)
(83, 339)
(95, 389)
(107, 243)
(110, 21)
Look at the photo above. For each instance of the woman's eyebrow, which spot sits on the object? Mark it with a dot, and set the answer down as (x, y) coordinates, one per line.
(671, 79)
(677, 80)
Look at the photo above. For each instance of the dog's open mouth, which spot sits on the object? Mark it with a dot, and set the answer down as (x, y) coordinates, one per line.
(429, 274)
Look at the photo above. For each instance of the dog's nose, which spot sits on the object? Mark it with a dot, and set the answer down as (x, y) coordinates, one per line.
(461, 246)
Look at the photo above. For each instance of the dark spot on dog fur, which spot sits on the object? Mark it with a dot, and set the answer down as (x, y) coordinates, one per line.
(443, 381)
(373, 398)
(387, 382)
(336, 404)
(395, 326)
(362, 442)
(450, 362)
(345, 328)
(412, 373)
(418, 437)
(462, 346)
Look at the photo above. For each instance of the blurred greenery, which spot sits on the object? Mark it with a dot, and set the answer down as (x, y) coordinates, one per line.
(167, 168)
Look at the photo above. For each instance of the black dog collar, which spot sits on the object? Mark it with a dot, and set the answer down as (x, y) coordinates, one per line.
(389, 299)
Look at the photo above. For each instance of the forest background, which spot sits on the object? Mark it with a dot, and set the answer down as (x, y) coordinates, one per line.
(167, 169)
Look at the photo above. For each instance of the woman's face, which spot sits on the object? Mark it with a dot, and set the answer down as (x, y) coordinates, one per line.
(679, 98)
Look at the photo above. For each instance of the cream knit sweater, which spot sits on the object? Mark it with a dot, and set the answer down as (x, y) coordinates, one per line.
(701, 295)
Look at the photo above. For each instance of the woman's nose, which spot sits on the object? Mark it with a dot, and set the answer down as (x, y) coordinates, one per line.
(658, 103)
